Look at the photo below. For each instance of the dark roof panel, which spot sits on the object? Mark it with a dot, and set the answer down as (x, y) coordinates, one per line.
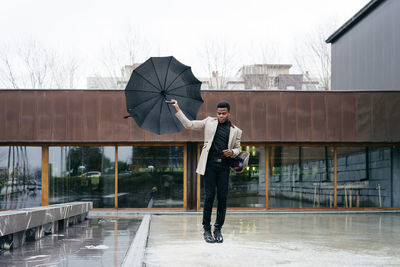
(354, 20)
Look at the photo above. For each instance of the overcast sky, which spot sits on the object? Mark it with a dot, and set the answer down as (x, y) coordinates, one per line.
(84, 28)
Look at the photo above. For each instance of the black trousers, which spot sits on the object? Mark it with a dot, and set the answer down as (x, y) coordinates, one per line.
(216, 176)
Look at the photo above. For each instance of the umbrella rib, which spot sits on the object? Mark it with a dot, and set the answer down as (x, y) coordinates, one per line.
(169, 108)
(166, 74)
(188, 68)
(183, 86)
(144, 119)
(159, 121)
(144, 102)
(143, 91)
(187, 97)
(158, 78)
(147, 81)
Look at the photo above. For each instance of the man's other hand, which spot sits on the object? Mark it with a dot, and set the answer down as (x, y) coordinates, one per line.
(227, 152)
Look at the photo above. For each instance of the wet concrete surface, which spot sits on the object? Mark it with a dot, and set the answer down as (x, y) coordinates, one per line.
(371, 239)
(98, 241)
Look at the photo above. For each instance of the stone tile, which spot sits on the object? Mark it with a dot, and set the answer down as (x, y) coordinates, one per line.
(277, 239)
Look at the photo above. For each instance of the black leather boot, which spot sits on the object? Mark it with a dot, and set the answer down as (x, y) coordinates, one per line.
(218, 236)
(208, 236)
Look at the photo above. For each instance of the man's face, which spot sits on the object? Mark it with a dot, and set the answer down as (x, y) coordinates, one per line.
(222, 114)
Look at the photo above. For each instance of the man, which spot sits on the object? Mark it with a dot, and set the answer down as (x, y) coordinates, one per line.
(221, 140)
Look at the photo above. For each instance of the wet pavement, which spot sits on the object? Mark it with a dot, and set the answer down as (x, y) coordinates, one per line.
(354, 239)
(98, 241)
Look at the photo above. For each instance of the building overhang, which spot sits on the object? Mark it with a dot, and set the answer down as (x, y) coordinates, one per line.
(96, 116)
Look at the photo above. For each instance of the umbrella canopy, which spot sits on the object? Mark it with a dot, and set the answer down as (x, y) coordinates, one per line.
(155, 81)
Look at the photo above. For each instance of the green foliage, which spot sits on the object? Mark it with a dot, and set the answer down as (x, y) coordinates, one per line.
(78, 186)
(91, 157)
(157, 156)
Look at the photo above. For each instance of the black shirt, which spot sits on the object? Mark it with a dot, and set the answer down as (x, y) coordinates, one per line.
(220, 141)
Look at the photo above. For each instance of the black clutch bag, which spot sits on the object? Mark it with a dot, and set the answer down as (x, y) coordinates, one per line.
(240, 162)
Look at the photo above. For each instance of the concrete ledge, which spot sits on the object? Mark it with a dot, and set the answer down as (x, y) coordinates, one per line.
(122, 213)
(135, 254)
(32, 223)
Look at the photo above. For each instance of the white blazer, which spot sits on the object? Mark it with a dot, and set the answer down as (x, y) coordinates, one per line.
(209, 125)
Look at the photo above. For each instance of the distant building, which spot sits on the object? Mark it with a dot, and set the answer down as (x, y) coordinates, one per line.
(265, 76)
(261, 76)
(310, 83)
(365, 50)
(257, 76)
(99, 82)
(103, 82)
(126, 72)
(217, 81)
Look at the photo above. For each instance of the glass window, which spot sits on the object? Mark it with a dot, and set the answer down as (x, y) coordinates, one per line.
(300, 177)
(364, 177)
(150, 176)
(20, 177)
(246, 189)
(82, 173)
(395, 177)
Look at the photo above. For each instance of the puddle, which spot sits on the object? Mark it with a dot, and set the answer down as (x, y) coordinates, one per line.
(98, 241)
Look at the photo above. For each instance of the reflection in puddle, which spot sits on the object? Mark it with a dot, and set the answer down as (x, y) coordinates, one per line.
(99, 241)
(97, 247)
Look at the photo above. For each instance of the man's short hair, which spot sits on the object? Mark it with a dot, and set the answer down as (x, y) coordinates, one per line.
(224, 104)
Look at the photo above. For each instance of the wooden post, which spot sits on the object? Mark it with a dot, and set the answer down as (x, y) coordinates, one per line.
(116, 178)
(266, 175)
(198, 179)
(185, 176)
(335, 181)
(45, 175)
(190, 176)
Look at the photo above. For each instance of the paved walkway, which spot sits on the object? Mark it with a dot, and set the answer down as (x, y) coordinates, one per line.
(277, 239)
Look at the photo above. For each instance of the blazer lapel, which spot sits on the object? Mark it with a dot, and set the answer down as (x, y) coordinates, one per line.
(213, 129)
(231, 134)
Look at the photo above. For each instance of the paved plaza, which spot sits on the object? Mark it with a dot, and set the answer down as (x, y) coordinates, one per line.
(314, 238)
(297, 239)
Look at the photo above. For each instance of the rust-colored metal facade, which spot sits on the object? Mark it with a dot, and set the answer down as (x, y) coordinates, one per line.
(86, 116)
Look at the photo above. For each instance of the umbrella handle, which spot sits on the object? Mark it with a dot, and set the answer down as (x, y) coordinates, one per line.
(169, 102)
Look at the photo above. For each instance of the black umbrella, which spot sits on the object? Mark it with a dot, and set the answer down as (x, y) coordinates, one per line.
(156, 81)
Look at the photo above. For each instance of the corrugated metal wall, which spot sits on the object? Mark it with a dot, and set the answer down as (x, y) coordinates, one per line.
(367, 57)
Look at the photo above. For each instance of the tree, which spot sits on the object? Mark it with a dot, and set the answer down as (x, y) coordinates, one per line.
(264, 59)
(88, 156)
(314, 55)
(220, 61)
(30, 65)
(156, 156)
(130, 50)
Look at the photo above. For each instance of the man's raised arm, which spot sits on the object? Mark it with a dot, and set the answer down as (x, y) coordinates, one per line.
(188, 124)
